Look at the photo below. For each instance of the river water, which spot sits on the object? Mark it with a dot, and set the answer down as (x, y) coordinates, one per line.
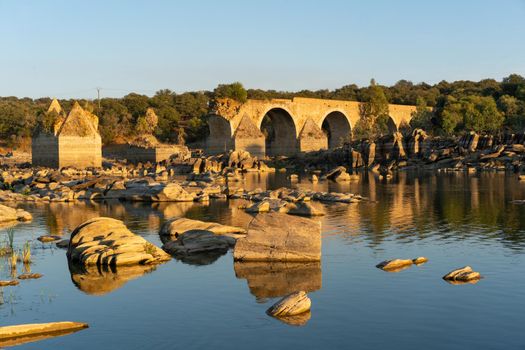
(454, 219)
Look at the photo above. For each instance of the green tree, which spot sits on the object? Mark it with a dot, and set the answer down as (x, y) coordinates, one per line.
(422, 117)
(235, 91)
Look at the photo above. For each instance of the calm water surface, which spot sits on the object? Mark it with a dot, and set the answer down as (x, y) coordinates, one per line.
(453, 219)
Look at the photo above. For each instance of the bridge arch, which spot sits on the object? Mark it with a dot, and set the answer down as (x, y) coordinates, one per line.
(280, 132)
(337, 128)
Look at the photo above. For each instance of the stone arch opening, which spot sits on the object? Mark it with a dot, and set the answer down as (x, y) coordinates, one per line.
(280, 133)
(337, 129)
(219, 139)
(392, 127)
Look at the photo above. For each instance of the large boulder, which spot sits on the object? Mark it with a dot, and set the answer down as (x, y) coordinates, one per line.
(280, 237)
(177, 226)
(108, 242)
(172, 192)
(198, 242)
(8, 214)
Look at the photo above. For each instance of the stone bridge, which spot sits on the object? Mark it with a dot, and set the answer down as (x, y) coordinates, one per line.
(287, 127)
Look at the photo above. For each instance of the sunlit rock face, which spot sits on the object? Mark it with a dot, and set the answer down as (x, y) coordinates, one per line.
(108, 242)
(276, 279)
(280, 237)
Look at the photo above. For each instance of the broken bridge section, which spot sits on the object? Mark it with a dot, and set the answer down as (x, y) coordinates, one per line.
(288, 126)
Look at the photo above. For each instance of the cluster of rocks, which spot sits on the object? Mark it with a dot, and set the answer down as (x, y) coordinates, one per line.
(9, 216)
(417, 150)
(457, 276)
(227, 163)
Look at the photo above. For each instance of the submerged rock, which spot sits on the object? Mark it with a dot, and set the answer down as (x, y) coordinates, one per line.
(15, 335)
(464, 274)
(105, 241)
(49, 238)
(9, 283)
(394, 265)
(28, 276)
(280, 237)
(420, 260)
(293, 304)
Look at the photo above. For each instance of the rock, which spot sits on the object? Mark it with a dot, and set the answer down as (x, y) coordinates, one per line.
(8, 214)
(293, 304)
(64, 243)
(419, 260)
(172, 192)
(27, 276)
(8, 283)
(49, 238)
(260, 207)
(303, 209)
(198, 242)
(338, 174)
(177, 226)
(314, 178)
(15, 335)
(105, 241)
(463, 274)
(280, 237)
(396, 264)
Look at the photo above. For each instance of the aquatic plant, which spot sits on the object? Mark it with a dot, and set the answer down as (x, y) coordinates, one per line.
(149, 248)
(14, 260)
(26, 253)
(10, 237)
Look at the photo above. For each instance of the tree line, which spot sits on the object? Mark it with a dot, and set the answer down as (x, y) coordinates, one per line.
(445, 108)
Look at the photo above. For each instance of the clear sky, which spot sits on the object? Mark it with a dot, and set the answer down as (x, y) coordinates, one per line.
(68, 48)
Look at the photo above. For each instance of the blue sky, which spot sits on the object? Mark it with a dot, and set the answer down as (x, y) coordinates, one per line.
(68, 48)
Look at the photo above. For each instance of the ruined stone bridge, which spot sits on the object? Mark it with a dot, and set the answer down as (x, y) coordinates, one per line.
(287, 127)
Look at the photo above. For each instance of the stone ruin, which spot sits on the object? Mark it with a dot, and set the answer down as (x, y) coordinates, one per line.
(145, 147)
(70, 140)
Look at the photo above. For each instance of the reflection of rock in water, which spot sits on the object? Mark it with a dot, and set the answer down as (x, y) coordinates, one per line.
(173, 209)
(297, 320)
(102, 280)
(276, 279)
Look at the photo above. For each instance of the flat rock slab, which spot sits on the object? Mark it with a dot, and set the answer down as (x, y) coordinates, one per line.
(19, 334)
(280, 237)
(108, 242)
